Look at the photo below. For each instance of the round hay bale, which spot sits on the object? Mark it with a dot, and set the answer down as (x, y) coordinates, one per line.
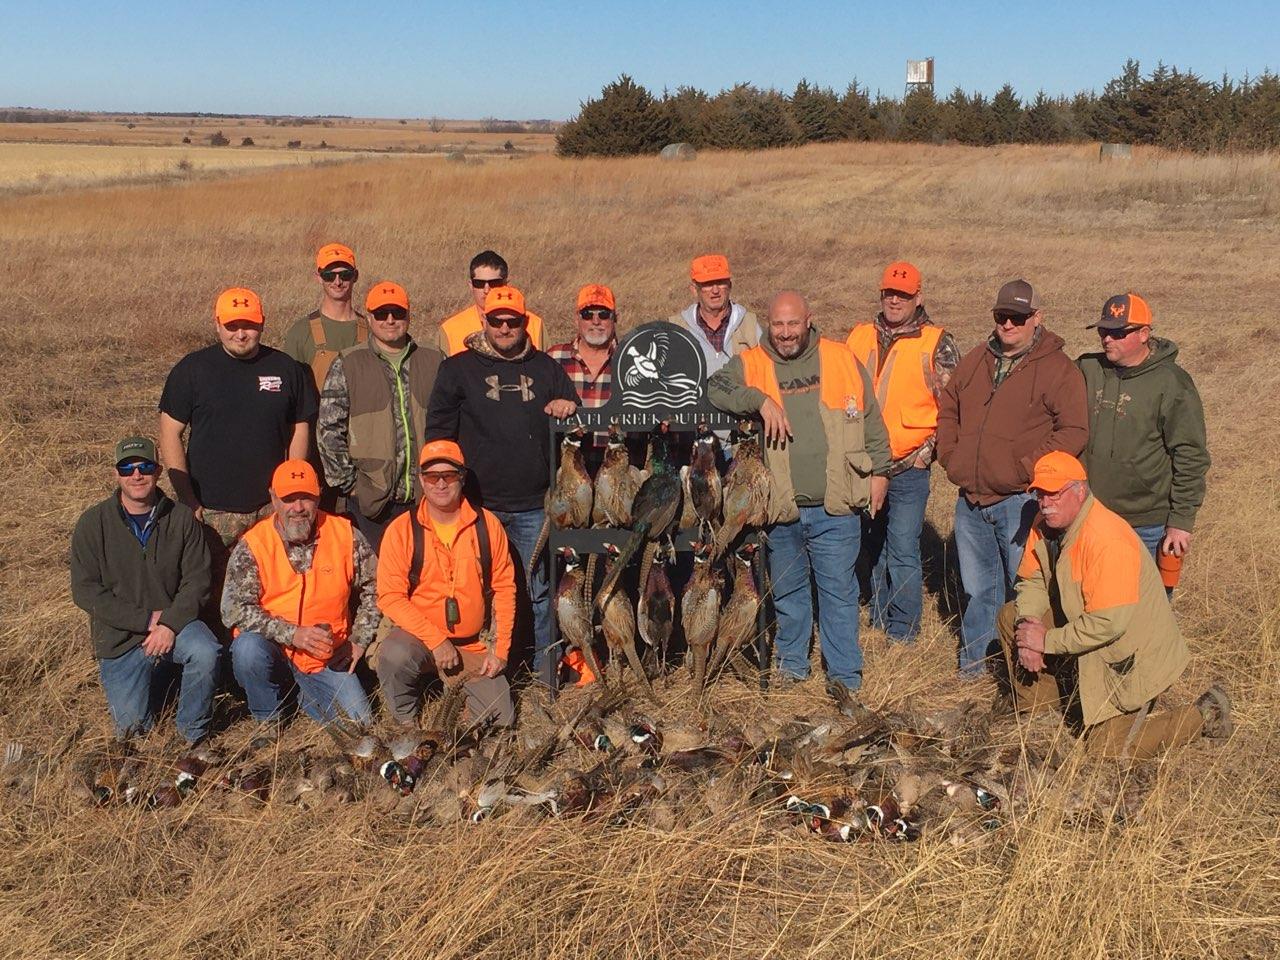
(678, 151)
(1115, 151)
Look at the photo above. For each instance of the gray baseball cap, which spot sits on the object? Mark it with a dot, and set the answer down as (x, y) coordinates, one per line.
(1017, 296)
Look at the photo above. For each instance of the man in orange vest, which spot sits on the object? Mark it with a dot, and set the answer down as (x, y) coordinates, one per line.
(827, 452)
(289, 593)
(446, 580)
(488, 271)
(1091, 622)
(910, 361)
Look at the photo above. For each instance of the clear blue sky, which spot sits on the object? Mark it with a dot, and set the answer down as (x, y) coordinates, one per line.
(539, 60)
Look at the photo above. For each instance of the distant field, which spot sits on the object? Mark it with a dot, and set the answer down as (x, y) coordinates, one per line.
(340, 134)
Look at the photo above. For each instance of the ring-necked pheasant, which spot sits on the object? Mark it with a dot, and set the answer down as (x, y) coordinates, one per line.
(740, 617)
(656, 611)
(568, 501)
(703, 486)
(746, 489)
(653, 513)
(700, 610)
(618, 624)
(573, 615)
(616, 483)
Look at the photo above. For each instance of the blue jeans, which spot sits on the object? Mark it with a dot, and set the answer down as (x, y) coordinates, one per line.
(267, 675)
(533, 606)
(1152, 536)
(133, 694)
(827, 547)
(892, 547)
(989, 544)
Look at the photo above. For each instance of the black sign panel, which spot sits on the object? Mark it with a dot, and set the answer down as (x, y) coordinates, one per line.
(659, 374)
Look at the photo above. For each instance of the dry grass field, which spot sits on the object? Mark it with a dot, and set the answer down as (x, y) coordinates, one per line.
(108, 287)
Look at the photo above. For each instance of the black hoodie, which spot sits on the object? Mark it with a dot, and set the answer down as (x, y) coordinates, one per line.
(119, 582)
(494, 408)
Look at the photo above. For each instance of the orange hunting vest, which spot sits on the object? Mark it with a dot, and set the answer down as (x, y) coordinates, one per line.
(902, 387)
(839, 383)
(321, 595)
(455, 330)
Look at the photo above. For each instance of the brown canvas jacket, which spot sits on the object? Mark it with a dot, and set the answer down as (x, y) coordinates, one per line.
(989, 438)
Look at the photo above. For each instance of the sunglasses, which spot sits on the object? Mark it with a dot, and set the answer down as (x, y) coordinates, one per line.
(1017, 319)
(328, 276)
(1120, 334)
(895, 295)
(390, 313)
(441, 478)
(148, 468)
(601, 314)
(515, 323)
(481, 284)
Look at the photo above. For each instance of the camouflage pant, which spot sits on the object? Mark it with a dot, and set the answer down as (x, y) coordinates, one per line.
(223, 530)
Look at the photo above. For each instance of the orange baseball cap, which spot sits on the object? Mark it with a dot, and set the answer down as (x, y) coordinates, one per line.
(386, 293)
(711, 266)
(238, 303)
(1055, 470)
(902, 276)
(295, 476)
(596, 295)
(442, 451)
(335, 253)
(504, 300)
(1125, 310)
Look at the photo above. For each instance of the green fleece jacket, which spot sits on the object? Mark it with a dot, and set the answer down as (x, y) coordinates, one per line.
(119, 582)
(1146, 456)
(798, 384)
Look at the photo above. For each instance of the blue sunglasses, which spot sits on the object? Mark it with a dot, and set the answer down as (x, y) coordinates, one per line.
(147, 468)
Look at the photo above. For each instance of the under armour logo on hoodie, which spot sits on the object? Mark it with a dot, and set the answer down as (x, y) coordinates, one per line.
(496, 389)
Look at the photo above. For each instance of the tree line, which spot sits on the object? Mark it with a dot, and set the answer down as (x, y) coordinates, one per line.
(1169, 108)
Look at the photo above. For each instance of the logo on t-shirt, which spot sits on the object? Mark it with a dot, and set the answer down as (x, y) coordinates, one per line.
(270, 384)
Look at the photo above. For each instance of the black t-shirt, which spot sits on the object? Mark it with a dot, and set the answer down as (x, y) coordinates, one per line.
(242, 414)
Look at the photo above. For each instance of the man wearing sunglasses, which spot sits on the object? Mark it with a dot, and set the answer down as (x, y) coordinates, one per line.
(588, 357)
(316, 339)
(432, 586)
(1010, 401)
(721, 327)
(302, 595)
(496, 399)
(1091, 628)
(1147, 456)
(373, 414)
(910, 360)
(140, 569)
(248, 407)
(488, 271)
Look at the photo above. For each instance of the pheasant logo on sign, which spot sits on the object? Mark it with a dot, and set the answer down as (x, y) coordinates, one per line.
(660, 366)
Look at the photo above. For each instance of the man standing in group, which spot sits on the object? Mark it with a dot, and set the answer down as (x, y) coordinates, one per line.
(910, 360)
(316, 339)
(496, 399)
(721, 327)
(140, 569)
(488, 272)
(1091, 613)
(828, 452)
(292, 583)
(445, 625)
(1010, 401)
(247, 407)
(588, 357)
(1147, 457)
(373, 413)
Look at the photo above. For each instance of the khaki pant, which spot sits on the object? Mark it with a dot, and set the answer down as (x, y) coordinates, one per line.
(405, 665)
(1129, 735)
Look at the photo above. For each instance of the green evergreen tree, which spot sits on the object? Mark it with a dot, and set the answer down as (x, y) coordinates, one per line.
(920, 117)
(855, 120)
(625, 120)
(1006, 115)
(816, 111)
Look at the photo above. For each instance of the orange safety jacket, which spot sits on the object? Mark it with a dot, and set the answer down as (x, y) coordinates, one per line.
(455, 330)
(321, 595)
(840, 386)
(902, 384)
(452, 571)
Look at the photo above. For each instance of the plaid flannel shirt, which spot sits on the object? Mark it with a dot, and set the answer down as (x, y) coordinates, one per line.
(593, 391)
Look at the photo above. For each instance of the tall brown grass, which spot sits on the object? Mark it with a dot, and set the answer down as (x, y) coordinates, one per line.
(107, 288)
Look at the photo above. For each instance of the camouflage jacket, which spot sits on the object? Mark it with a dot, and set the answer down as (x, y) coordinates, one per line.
(242, 591)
